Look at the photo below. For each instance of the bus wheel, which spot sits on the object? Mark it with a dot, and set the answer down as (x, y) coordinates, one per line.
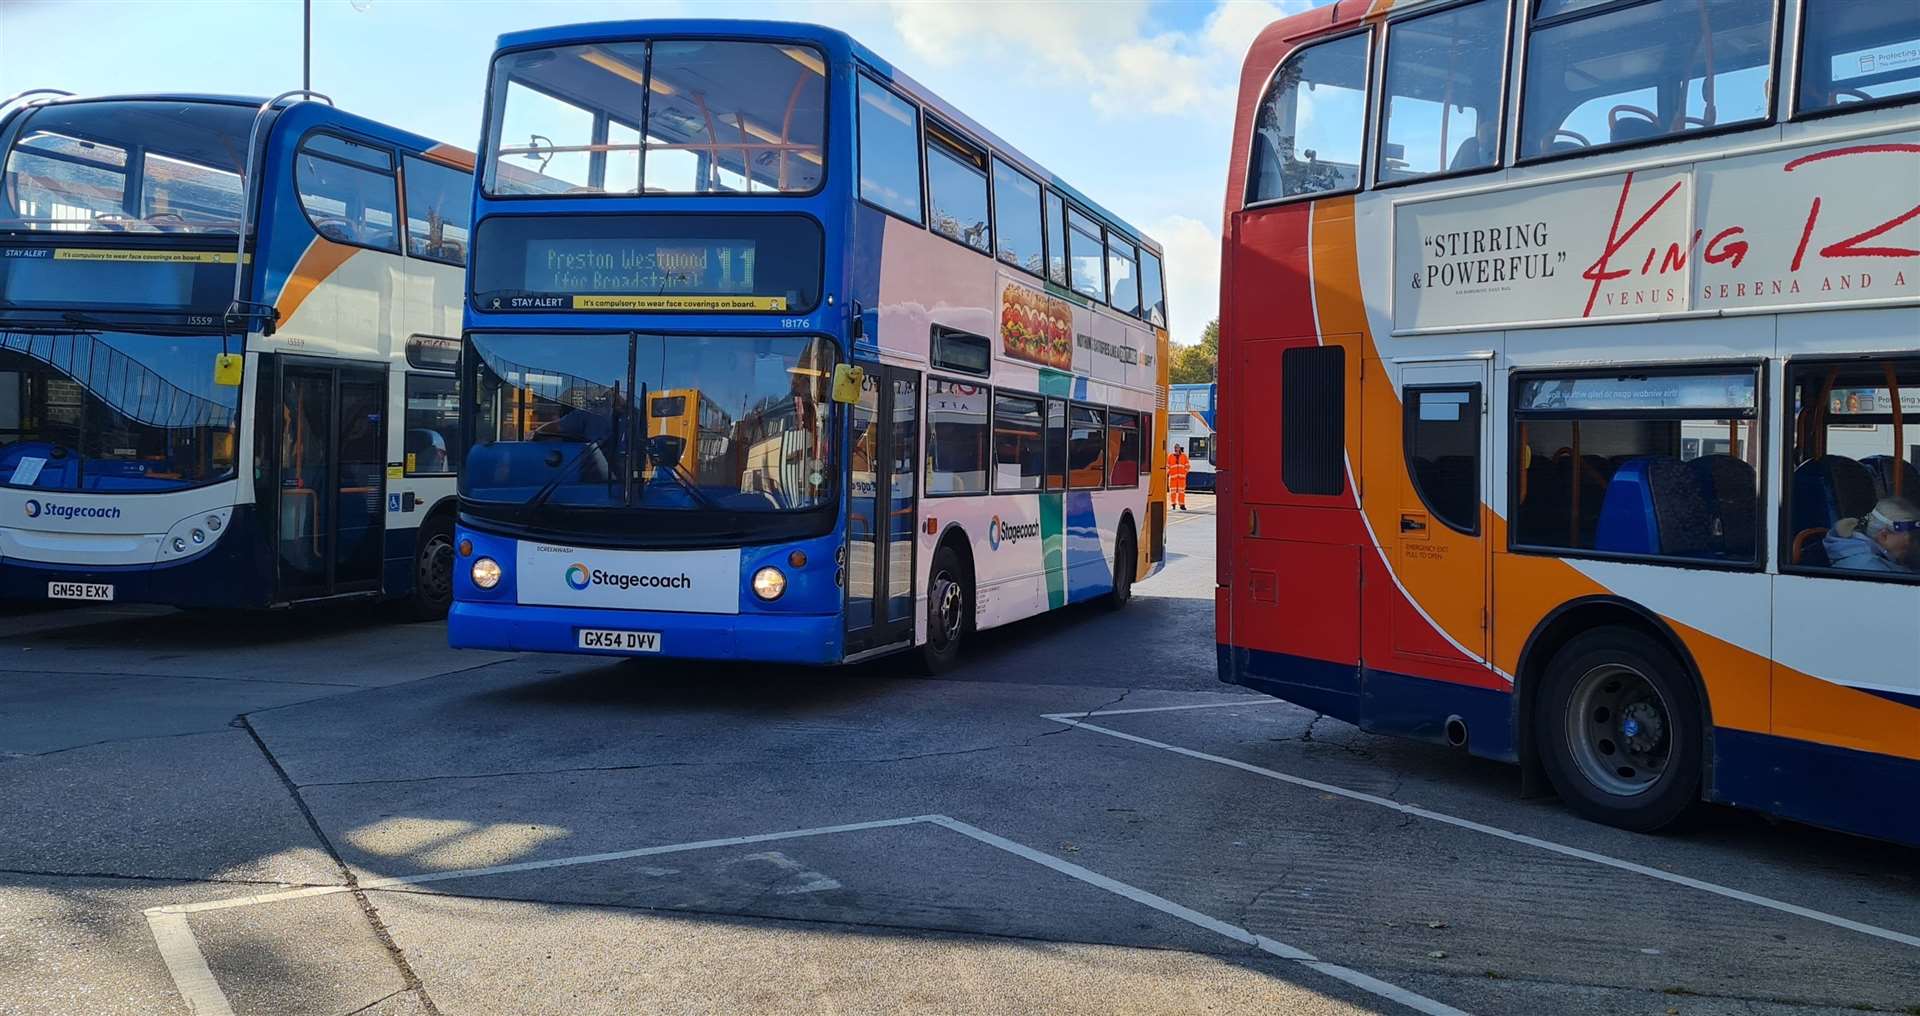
(1619, 730)
(433, 573)
(1123, 567)
(948, 600)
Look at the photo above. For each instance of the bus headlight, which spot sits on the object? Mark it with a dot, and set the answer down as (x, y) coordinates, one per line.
(768, 583)
(485, 573)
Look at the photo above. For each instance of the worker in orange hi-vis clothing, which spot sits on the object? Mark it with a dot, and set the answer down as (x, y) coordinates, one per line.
(1177, 478)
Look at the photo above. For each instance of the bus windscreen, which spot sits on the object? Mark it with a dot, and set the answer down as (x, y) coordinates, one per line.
(144, 168)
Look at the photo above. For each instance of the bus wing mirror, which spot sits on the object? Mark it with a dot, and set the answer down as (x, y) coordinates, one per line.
(847, 382)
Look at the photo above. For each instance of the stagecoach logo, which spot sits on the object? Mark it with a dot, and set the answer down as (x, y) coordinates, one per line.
(578, 576)
(1008, 532)
(70, 511)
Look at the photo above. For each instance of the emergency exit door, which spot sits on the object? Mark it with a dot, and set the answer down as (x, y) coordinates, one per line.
(329, 446)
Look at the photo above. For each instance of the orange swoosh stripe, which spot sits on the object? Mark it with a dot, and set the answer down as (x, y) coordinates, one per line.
(322, 258)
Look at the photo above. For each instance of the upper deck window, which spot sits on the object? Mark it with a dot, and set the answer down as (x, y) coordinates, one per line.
(957, 190)
(439, 204)
(678, 117)
(1016, 218)
(348, 190)
(1650, 70)
(1442, 111)
(889, 150)
(1858, 51)
(1086, 251)
(1309, 132)
(126, 167)
(1056, 239)
(1153, 297)
(1123, 274)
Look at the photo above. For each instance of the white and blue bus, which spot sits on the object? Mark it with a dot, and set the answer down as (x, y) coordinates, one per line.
(228, 333)
(773, 355)
(1190, 409)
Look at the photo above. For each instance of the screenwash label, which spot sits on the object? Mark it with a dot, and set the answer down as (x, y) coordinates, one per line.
(689, 581)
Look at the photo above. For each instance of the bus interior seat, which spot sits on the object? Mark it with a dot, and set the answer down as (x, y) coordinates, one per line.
(1470, 155)
(1550, 504)
(1809, 548)
(1828, 489)
(427, 451)
(1882, 469)
(1732, 496)
(1655, 505)
(1632, 128)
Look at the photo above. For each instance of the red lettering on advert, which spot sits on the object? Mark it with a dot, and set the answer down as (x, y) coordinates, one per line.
(1598, 273)
(1850, 247)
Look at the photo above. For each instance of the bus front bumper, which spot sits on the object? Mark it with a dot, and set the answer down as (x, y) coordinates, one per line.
(769, 638)
(234, 573)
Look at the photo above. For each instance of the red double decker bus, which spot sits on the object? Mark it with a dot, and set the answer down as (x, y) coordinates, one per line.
(1568, 354)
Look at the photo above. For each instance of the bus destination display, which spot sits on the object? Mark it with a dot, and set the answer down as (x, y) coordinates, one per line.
(626, 274)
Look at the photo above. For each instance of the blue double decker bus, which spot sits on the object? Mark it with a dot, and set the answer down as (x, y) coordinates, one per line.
(228, 332)
(772, 355)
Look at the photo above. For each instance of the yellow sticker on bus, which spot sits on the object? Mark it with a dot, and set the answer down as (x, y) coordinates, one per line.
(661, 302)
(175, 257)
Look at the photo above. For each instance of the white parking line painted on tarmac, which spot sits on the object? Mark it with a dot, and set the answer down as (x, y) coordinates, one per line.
(196, 983)
(1241, 701)
(186, 965)
(1741, 895)
(1371, 985)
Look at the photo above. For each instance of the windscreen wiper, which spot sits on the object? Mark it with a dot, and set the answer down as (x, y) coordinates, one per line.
(540, 497)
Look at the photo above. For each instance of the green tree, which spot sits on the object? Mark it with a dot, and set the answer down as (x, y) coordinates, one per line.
(1198, 363)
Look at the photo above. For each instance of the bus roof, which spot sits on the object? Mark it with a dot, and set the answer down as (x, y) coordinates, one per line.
(839, 46)
(371, 128)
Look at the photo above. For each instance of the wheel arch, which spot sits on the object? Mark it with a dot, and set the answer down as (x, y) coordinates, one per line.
(443, 511)
(954, 535)
(1568, 621)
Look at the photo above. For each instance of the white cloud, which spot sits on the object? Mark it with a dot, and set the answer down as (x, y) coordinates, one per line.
(1191, 251)
(1108, 51)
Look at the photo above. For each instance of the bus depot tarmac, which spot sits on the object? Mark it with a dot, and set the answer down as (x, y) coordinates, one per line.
(331, 813)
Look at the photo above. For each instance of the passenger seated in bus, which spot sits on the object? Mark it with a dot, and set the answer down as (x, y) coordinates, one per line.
(1883, 540)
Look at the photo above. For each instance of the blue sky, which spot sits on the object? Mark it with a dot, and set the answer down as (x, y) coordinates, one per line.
(1130, 100)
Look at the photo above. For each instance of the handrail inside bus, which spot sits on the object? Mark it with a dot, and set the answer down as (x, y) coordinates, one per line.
(246, 194)
(1893, 393)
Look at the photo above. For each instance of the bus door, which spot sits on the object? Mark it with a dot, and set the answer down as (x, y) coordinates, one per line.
(883, 509)
(1438, 533)
(330, 477)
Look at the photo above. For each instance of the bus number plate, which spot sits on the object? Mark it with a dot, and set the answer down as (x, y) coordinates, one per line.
(79, 591)
(620, 641)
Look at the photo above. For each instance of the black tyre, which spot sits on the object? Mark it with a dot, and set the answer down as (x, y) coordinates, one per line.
(433, 573)
(1618, 725)
(949, 612)
(1124, 558)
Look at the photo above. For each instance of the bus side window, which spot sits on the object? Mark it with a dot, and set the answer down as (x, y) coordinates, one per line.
(1443, 453)
(1153, 298)
(348, 191)
(889, 150)
(1056, 239)
(1854, 468)
(1855, 52)
(1310, 128)
(433, 425)
(1619, 95)
(1017, 219)
(1087, 448)
(1442, 108)
(439, 203)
